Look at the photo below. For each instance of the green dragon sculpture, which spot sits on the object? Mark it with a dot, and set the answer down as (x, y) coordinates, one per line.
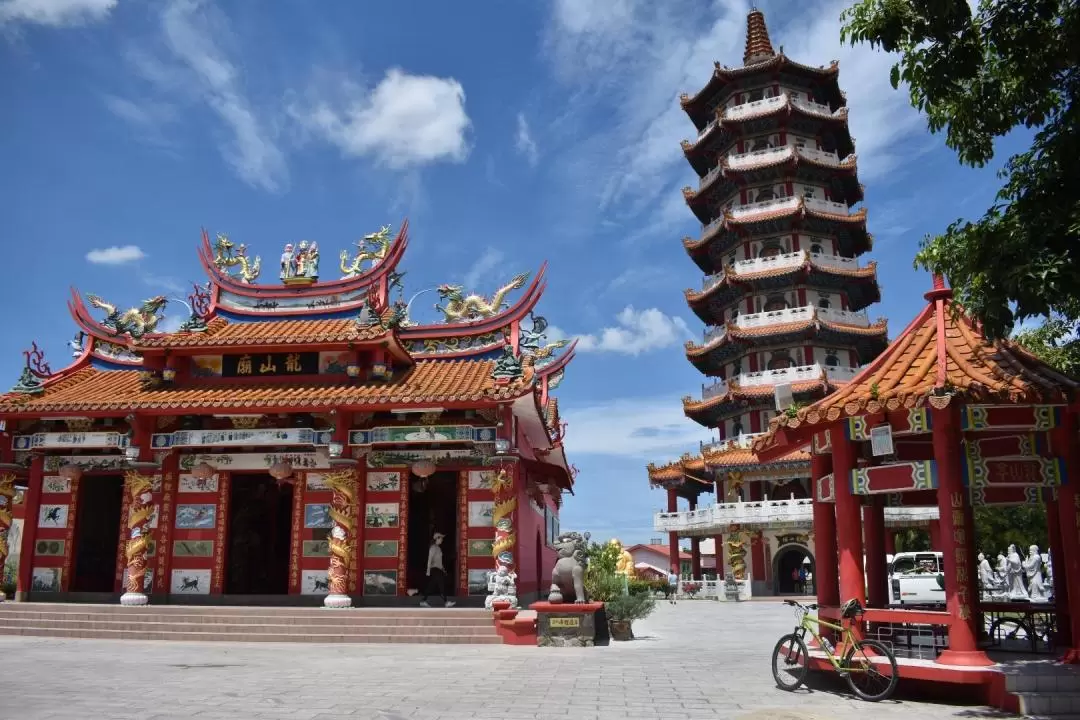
(227, 255)
(374, 247)
(461, 307)
(136, 321)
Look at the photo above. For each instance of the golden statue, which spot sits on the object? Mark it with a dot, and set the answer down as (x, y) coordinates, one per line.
(625, 563)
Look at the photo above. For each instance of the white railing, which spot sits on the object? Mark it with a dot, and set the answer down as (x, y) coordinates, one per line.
(827, 206)
(762, 513)
(820, 155)
(844, 317)
(813, 107)
(799, 373)
(785, 260)
(775, 317)
(705, 130)
(713, 224)
(835, 261)
(709, 177)
(714, 333)
(841, 374)
(717, 389)
(754, 208)
(754, 157)
(711, 281)
(747, 109)
(743, 441)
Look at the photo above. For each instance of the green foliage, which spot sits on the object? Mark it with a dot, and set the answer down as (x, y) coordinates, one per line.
(627, 608)
(1055, 343)
(662, 586)
(1014, 63)
(912, 540)
(602, 586)
(640, 587)
(603, 557)
(998, 526)
(792, 410)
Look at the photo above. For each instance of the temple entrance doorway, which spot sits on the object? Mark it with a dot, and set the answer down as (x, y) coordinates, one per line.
(257, 536)
(787, 564)
(433, 503)
(97, 533)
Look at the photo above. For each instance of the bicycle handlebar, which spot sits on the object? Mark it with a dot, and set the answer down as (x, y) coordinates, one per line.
(795, 603)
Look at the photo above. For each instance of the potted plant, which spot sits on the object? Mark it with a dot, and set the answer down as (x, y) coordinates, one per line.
(623, 610)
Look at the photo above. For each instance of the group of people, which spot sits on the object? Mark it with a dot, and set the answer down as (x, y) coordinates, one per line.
(1017, 578)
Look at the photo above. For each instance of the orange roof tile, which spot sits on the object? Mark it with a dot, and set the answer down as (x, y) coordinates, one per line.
(879, 327)
(221, 332)
(728, 457)
(730, 275)
(758, 46)
(754, 391)
(942, 354)
(428, 382)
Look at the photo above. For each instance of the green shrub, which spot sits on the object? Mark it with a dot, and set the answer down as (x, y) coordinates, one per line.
(627, 608)
(601, 586)
(639, 587)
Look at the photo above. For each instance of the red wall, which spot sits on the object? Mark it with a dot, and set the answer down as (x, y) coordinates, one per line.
(529, 523)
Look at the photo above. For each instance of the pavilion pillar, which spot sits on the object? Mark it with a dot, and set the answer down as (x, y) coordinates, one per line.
(848, 518)
(874, 529)
(1068, 566)
(695, 558)
(673, 537)
(342, 481)
(7, 504)
(890, 541)
(955, 533)
(1061, 590)
(31, 506)
(825, 556)
(718, 543)
(934, 530)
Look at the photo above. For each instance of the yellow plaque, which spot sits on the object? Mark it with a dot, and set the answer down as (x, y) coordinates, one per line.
(565, 622)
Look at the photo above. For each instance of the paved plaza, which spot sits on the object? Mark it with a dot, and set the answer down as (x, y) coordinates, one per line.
(696, 660)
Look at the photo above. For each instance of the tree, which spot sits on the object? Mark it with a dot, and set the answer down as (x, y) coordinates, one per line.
(1012, 64)
(1055, 343)
(998, 526)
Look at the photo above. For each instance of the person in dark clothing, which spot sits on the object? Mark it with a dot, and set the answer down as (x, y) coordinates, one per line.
(436, 574)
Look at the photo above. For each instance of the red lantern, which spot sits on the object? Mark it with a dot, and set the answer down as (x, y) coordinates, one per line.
(203, 471)
(281, 470)
(71, 472)
(423, 468)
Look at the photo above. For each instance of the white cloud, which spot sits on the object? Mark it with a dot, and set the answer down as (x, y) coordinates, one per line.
(628, 60)
(488, 260)
(652, 428)
(405, 121)
(55, 13)
(637, 331)
(524, 142)
(115, 255)
(171, 323)
(194, 33)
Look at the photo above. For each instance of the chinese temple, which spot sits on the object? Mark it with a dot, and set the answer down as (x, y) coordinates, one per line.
(297, 441)
(784, 298)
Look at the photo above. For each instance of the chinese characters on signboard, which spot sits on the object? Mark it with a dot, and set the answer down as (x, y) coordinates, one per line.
(962, 572)
(270, 364)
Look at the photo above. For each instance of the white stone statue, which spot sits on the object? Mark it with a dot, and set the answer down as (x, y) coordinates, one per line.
(1033, 568)
(1014, 576)
(986, 574)
(1049, 574)
(502, 584)
(1002, 563)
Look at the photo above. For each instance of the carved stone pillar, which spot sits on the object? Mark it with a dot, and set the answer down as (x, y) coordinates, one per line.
(7, 502)
(140, 509)
(342, 539)
(504, 585)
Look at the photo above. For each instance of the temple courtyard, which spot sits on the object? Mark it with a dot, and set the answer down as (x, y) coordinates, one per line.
(697, 660)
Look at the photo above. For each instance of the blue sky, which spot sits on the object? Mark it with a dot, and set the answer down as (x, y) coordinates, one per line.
(507, 131)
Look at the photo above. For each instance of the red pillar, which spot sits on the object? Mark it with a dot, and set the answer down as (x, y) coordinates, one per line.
(848, 519)
(718, 541)
(934, 529)
(825, 558)
(31, 505)
(890, 542)
(695, 558)
(1068, 566)
(1061, 590)
(874, 527)
(955, 534)
(673, 537)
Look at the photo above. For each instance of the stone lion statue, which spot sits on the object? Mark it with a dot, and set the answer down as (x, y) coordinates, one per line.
(568, 576)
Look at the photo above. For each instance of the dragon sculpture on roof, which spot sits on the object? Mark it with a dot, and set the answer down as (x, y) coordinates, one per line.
(463, 308)
(373, 246)
(136, 321)
(228, 255)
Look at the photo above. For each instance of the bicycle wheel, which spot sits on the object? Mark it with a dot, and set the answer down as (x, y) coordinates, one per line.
(790, 662)
(870, 669)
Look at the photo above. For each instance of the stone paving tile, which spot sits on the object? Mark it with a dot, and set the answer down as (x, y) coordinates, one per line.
(694, 661)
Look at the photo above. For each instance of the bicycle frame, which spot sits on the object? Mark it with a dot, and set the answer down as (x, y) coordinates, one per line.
(806, 625)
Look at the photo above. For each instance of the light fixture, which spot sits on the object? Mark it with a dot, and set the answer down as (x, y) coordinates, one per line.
(502, 446)
(168, 374)
(131, 453)
(335, 449)
(423, 468)
(352, 370)
(71, 472)
(203, 471)
(379, 371)
(281, 470)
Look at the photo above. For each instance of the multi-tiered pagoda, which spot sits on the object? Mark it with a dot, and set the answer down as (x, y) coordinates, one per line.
(784, 294)
(299, 437)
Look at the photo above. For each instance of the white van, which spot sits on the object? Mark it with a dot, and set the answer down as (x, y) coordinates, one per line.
(916, 578)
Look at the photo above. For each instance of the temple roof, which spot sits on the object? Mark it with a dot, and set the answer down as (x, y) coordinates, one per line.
(758, 46)
(429, 382)
(941, 355)
(222, 332)
(729, 457)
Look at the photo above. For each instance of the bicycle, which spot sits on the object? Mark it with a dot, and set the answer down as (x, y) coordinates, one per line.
(862, 662)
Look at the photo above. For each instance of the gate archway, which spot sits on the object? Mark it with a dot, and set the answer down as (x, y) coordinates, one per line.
(789, 558)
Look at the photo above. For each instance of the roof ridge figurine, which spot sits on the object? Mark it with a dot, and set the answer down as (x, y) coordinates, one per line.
(463, 308)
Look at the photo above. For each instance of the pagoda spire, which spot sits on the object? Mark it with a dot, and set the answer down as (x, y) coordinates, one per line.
(758, 46)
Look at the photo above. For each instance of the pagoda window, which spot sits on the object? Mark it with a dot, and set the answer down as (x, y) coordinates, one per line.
(780, 361)
(824, 303)
(771, 249)
(761, 144)
(755, 95)
(831, 360)
(736, 428)
(765, 194)
(775, 302)
(816, 249)
(808, 191)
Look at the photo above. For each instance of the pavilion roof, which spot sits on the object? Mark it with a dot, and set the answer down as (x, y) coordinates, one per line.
(221, 332)
(730, 457)
(942, 354)
(429, 382)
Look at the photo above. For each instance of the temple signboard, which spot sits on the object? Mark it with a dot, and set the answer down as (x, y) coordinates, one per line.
(270, 364)
(318, 460)
(259, 436)
(56, 440)
(1013, 472)
(422, 434)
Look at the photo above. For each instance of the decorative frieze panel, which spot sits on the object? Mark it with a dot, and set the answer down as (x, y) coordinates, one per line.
(382, 459)
(285, 305)
(454, 344)
(825, 490)
(1013, 472)
(64, 440)
(911, 421)
(422, 434)
(857, 428)
(317, 460)
(1012, 495)
(1023, 445)
(1010, 417)
(895, 478)
(86, 462)
(821, 443)
(225, 438)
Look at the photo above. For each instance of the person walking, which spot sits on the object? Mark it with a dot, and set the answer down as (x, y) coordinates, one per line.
(436, 574)
(673, 583)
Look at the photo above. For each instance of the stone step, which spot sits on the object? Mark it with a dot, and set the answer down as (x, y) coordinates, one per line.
(277, 628)
(1052, 704)
(184, 609)
(335, 618)
(371, 637)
